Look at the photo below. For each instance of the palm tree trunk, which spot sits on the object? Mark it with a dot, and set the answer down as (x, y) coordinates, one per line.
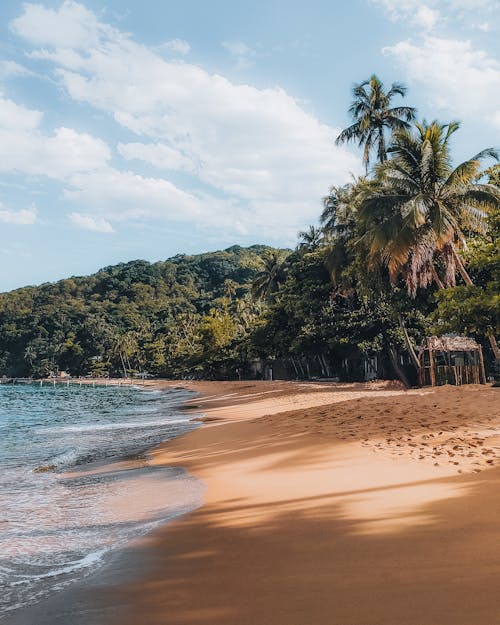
(396, 366)
(435, 277)
(326, 365)
(461, 267)
(467, 279)
(123, 365)
(409, 344)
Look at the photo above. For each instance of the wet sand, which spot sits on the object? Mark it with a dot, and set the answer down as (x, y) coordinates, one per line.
(326, 504)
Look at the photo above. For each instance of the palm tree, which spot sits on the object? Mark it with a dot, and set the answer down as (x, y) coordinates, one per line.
(125, 344)
(310, 239)
(273, 274)
(373, 117)
(337, 217)
(30, 354)
(419, 208)
(338, 221)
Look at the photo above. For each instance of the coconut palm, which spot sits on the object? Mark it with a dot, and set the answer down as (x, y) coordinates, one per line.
(373, 117)
(419, 208)
(30, 354)
(338, 216)
(338, 219)
(310, 239)
(273, 274)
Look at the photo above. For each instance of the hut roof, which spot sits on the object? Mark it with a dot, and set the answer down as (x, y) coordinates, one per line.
(450, 343)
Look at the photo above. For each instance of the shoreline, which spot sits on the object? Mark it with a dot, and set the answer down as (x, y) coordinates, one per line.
(313, 516)
(129, 500)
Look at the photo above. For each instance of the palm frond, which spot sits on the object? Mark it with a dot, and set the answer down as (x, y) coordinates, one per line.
(348, 134)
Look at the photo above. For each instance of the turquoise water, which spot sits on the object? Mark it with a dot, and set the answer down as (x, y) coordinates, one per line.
(59, 525)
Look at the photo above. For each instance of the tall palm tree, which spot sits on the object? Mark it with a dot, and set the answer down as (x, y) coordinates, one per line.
(338, 217)
(310, 239)
(373, 117)
(273, 274)
(420, 208)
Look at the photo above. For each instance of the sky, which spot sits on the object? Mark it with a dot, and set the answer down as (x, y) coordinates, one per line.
(144, 129)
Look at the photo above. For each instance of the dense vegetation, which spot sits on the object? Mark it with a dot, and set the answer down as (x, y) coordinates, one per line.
(169, 318)
(410, 248)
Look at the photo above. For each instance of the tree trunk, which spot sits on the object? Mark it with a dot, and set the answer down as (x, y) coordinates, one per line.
(461, 267)
(123, 365)
(321, 366)
(301, 367)
(466, 278)
(326, 365)
(409, 344)
(397, 368)
(435, 277)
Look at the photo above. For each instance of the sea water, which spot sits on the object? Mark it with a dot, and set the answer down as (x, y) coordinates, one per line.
(66, 502)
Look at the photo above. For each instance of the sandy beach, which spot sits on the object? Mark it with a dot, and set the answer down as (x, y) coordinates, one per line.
(332, 504)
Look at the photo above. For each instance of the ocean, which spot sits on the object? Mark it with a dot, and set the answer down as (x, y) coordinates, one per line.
(67, 499)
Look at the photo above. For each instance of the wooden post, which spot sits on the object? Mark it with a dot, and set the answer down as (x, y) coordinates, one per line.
(482, 372)
(431, 370)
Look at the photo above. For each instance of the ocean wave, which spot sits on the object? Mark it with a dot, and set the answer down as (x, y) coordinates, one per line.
(89, 559)
(124, 425)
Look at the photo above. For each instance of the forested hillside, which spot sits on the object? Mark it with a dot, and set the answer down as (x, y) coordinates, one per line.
(166, 318)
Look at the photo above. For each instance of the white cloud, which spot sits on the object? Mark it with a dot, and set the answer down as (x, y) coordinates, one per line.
(413, 11)
(180, 46)
(426, 17)
(10, 69)
(24, 147)
(16, 117)
(26, 216)
(429, 14)
(125, 194)
(240, 52)
(256, 160)
(157, 154)
(471, 5)
(70, 26)
(88, 222)
(237, 48)
(456, 76)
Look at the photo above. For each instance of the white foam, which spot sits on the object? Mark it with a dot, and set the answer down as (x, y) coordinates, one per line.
(124, 425)
(88, 560)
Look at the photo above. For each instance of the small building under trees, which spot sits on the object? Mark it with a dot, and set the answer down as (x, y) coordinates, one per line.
(450, 359)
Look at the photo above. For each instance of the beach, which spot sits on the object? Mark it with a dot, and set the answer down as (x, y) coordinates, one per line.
(328, 504)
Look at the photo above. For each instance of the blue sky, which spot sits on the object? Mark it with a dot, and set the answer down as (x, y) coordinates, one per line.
(144, 129)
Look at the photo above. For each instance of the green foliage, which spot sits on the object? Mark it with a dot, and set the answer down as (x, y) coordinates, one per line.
(475, 309)
(169, 318)
(419, 209)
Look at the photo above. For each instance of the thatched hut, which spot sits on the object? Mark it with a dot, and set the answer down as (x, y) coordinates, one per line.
(450, 359)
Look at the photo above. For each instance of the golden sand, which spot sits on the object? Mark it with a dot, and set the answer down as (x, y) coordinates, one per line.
(330, 505)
